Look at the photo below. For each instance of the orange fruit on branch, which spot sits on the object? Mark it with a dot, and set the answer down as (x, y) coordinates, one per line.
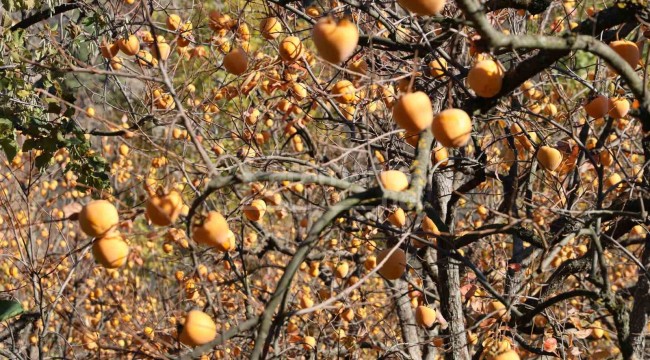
(98, 217)
(423, 7)
(612, 180)
(161, 51)
(437, 67)
(212, 231)
(550, 158)
(111, 251)
(425, 316)
(164, 210)
(255, 210)
(129, 45)
(173, 22)
(440, 155)
(397, 218)
(108, 49)
(291, 49)
(199, 329)
(618, 107)
(429, 227)
(236, 61)
(452, 128)
(335, 41)
(270, 28)
(395, 266)
(628, 50)
(485, 78)
(597, 107)
(394, 180)
(344, 92)
(413, 112)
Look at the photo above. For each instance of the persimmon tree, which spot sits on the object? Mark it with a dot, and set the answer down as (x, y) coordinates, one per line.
(413, 179)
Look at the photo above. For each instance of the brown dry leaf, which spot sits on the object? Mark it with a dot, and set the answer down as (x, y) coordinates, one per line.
(468, 291)
(72, 209)
(441, 320)
(477, 305)
(575, 351)
(579, 334)
(601, 354)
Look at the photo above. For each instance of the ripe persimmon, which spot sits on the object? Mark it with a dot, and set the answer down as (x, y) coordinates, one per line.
(452, 128)
(309, 342)
(199, 329)
(111, 251)
(429, 227)
(98, 217)
(397, 218)
(342, 269)
(628, 50)
(485, 78)
(612, 180)
(549, 158)
(395, 266)
(597, 107)
(440, 155)
(173, 22)
(291, 49)
(270, 28)
(523, 141)
(423, 7)
(255, 210)
(344, 92)
(129, 45)
(437, 67)
(108, 49)
(161, 51)
(413, 112)
(236, 61)
(425, 316)
(394, 180)
(618, 107)
(335, 41)
(164, 210)
(212, 231)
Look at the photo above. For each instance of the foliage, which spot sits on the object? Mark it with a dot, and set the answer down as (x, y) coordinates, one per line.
(310, 209)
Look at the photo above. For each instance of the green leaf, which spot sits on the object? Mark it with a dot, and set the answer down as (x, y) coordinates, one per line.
(53, 108)
(44, 159)
(8, 5)
(9, 309)
(8, 138)
(9, 146)
(31, 144)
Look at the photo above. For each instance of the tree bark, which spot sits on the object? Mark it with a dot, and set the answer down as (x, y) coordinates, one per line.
(641, 307)
(451, 304)
(406, 318)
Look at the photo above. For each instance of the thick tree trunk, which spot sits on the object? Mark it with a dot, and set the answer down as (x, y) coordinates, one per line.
(451, 304)
(406, 318)
(429, 351)
(452, 309)
(641, 308)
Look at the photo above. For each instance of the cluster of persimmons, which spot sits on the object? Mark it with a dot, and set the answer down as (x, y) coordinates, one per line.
(120, 272)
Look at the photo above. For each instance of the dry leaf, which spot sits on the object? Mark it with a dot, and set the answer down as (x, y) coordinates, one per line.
(71, 209)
